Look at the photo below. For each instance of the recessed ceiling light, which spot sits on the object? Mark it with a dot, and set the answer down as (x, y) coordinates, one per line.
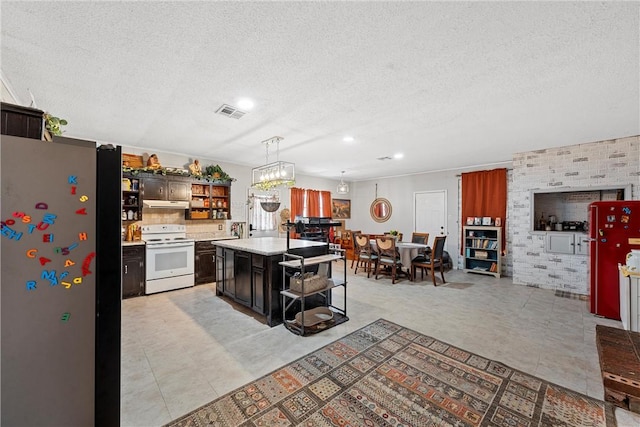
(398, 156)
(245, 104)
(348, 139)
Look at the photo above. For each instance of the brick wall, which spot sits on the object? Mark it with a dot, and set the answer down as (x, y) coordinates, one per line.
(598, 164)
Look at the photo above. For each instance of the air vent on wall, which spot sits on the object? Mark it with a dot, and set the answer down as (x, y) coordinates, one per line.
(230, 111)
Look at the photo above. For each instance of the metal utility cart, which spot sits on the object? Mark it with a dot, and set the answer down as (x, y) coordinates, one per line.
(318, 318)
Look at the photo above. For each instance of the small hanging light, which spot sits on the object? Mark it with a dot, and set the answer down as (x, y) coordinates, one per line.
(343, 187)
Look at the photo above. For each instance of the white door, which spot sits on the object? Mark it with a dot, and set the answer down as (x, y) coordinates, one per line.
(430, 213)
(261, 222)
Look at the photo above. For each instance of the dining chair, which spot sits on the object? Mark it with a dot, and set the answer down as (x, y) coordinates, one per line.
(366, 255)
(431, 261)
(346, 242)
(388, 257)
(352, 235)
(422, 238)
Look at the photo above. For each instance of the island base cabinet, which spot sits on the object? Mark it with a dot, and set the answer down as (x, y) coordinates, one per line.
(229, 282)
(258, 280)
(254, 280)
(220, 276)
(242, 271)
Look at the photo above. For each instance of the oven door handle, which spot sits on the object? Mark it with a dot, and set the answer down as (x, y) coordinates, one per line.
(169, 245)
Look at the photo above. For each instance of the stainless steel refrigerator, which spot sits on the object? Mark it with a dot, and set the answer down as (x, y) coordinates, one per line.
(60, 287)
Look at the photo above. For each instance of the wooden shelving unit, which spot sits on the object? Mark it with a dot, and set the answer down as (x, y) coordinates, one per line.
(483, 250)
(131, 200)
(209, 201)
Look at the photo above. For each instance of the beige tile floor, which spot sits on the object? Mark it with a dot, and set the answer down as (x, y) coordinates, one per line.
(182, 349)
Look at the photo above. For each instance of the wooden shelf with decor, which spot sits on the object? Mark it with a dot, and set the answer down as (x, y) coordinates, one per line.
(131, 198)
(221, 201)
(200, 203)
(482, 250)
(209, 201)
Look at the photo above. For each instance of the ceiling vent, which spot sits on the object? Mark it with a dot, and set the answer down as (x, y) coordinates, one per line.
(230, 111)
(384, 158)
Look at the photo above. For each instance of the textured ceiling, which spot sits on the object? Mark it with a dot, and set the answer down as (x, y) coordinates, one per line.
(448, 84)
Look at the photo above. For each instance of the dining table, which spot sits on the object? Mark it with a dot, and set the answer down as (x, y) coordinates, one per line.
(407, 251)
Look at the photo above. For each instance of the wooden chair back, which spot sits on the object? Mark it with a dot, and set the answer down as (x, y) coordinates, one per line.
(422, 238)
(431, 261)
(362, 242)
(387, 248)
(438, 248)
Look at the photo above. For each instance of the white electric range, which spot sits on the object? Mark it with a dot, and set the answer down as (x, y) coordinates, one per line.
(170, 257)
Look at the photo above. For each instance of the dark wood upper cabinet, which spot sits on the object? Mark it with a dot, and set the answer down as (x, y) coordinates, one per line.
(21, 121)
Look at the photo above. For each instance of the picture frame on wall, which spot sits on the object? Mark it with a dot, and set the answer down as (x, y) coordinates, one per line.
(486, 220)
(340, 208)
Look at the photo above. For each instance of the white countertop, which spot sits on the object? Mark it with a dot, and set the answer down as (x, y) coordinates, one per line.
(208, 236)
(133, 243)
(267, 245)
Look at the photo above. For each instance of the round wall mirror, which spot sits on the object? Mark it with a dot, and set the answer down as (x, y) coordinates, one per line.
(380, 210)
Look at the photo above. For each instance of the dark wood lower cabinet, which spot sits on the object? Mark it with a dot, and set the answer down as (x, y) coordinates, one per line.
(258, 282)
(133, 276)
(229, 282)
(205, 262)
(243, 277)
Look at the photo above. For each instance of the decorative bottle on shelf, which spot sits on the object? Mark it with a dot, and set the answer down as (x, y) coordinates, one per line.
(543, 223)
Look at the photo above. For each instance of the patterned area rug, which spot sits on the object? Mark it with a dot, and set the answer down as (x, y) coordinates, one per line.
(388, 375)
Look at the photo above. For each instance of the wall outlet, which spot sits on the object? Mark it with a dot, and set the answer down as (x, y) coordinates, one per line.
(220, 227)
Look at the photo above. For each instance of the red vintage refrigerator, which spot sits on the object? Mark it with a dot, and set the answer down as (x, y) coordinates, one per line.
(614, 229)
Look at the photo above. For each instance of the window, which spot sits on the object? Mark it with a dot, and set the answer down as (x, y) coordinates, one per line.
(261, 219)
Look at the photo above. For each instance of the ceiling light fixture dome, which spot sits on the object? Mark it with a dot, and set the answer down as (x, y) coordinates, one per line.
(343, 187)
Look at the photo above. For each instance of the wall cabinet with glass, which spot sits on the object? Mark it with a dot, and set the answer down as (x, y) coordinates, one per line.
(482, 250)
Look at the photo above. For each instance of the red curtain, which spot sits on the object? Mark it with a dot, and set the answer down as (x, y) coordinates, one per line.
(313, 203)
(297, 206)
(326, 204)
(484, 193)
(297, 202)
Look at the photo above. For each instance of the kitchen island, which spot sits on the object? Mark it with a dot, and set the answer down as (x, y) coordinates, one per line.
(248, 273)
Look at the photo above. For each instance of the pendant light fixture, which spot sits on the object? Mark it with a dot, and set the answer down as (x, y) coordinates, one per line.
(343, 187)
(274, 174)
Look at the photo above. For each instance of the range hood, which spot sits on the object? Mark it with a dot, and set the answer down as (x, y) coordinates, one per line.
(165, 204)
